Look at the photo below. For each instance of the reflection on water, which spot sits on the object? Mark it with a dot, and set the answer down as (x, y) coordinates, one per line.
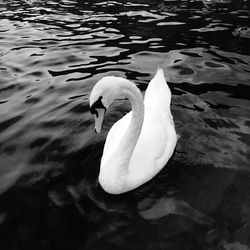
(51, 55)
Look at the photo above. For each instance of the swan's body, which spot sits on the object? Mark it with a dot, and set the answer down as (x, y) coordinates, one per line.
(138, 145)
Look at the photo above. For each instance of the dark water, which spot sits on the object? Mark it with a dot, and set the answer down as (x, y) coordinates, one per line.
(51, 55)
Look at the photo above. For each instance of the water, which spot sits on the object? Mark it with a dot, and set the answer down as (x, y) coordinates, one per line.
(51, 55)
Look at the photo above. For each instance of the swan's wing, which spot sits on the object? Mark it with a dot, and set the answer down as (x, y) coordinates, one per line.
(115, 135)
(158, 94)
(155, 146)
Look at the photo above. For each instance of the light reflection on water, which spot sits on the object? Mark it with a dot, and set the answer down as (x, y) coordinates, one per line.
(51, 55)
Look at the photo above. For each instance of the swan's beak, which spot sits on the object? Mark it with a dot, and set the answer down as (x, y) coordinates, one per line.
(99, 116)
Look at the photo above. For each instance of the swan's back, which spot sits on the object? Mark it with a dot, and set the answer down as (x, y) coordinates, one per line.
(158, 94)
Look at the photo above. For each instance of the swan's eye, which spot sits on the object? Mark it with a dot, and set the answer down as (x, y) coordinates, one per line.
(94, 112)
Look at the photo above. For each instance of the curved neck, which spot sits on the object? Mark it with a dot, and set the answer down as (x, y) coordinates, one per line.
(130, 138)
(121, 157)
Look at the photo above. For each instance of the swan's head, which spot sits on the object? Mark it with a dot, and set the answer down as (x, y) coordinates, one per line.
(103, 94)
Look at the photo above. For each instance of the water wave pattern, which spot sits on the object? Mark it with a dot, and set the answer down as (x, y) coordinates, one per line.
(51, 55)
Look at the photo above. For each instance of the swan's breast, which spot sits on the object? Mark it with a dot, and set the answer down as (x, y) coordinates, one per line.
(115, 136)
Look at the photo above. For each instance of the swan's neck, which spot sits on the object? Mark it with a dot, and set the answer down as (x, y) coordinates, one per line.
(130, 138)
(119, 160)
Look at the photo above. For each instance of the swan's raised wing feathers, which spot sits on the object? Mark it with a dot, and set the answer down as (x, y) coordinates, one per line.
(154, 147)
(158, 94)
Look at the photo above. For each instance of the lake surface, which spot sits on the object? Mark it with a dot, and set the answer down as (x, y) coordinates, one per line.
(51, 55)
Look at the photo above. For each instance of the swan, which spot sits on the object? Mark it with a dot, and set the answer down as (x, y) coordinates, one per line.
(138, 145)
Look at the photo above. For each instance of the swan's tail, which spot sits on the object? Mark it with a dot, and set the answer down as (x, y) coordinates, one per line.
(158, 94)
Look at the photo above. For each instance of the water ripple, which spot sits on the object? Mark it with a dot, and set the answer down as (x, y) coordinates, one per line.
(51, 55)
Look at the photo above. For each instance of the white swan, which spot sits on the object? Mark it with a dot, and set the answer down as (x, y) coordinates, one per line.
(139, 145)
